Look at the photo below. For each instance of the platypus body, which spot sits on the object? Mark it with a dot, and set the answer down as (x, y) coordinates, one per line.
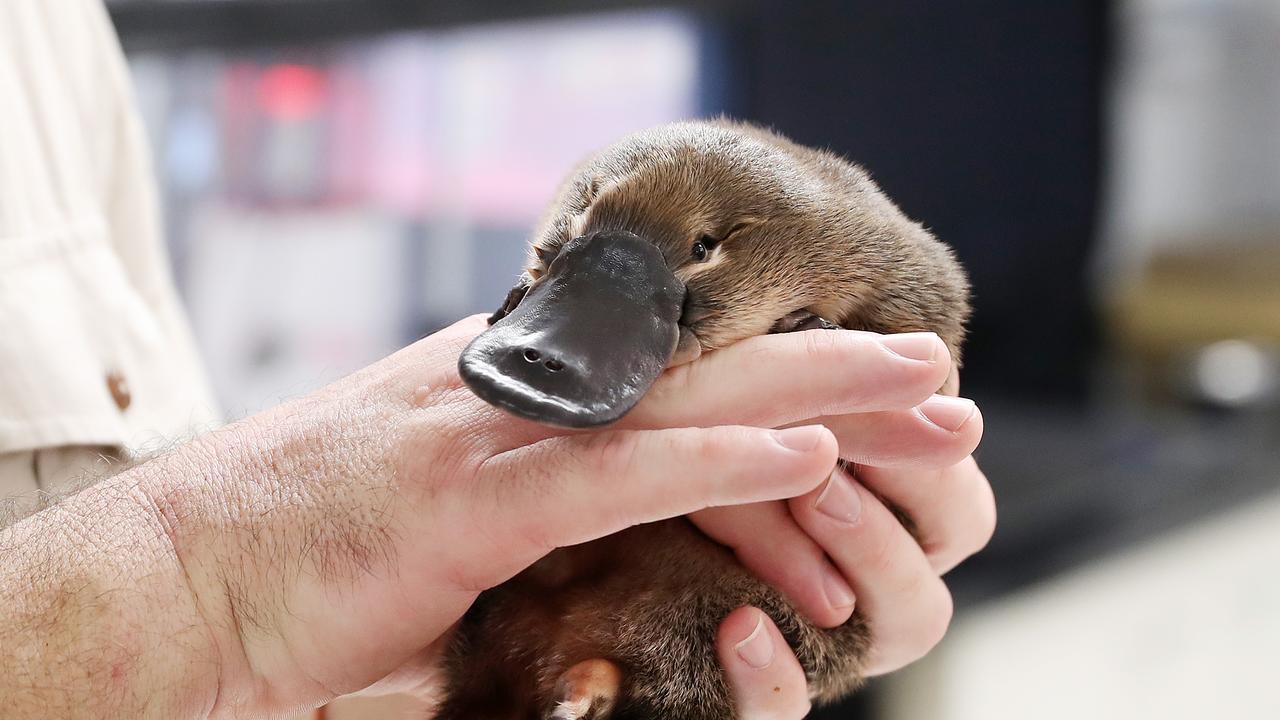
(675, 241)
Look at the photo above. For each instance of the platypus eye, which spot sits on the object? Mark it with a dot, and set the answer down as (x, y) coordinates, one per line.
(703, 247)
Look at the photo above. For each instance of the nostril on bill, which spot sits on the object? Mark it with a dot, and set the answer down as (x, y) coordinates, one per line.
(532, 355)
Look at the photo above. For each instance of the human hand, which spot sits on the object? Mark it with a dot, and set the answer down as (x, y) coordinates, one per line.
(911, 448)
(742, 382)
(483, 450)
(896, 580)
(338, 564)
(310, 551)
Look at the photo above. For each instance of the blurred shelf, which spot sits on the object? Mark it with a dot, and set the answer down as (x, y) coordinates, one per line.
(148, 25)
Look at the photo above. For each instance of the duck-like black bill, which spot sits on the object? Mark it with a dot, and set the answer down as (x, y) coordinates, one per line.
(587, 341)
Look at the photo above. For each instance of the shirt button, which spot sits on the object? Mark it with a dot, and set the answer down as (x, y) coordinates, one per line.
(119, 388)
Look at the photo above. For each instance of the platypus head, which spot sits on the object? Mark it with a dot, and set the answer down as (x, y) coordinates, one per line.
(690, 237)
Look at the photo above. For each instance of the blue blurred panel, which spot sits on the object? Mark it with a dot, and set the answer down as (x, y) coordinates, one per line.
(504, 251)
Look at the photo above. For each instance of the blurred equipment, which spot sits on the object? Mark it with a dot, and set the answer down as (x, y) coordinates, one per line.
(1191, 269)
(1235, 372)
(1203, 323)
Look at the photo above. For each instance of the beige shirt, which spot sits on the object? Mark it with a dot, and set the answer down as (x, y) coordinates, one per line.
(94, 348)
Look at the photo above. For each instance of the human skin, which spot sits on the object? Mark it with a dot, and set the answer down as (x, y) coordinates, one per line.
(328, 546)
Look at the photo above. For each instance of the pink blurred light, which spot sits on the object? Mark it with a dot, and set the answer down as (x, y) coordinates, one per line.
(291, 92)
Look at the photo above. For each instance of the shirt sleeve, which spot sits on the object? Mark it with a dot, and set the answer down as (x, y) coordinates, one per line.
(94, 346)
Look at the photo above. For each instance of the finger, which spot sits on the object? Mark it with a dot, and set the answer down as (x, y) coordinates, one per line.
(570, 489)
(769, 543)
(953, 509)
(443, 346)
(774, 380)
(939, 433)
(427, 370)
(901, 596)
(951, 516)
(765, 679)
(425, 375)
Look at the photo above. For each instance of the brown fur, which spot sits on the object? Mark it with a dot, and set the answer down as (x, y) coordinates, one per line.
(798, 230)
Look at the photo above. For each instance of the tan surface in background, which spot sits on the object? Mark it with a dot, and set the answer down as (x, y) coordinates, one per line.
(1182, 628)
(1228, 291)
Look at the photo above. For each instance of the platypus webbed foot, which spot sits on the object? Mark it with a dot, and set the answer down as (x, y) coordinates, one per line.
(587, 691)
(629, 633)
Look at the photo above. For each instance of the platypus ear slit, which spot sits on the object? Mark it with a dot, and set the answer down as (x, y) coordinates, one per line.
(514, 297)
(587, 691)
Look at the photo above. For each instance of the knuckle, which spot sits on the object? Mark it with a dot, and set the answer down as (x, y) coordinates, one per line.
(931, 618)
(672, 385)
(922, 622)
(882, 556)
(987, 518)
(983, 514)
(538, 537)
(614, 453)
(821, 346)
(937, 619)
(720, 446)
(809, 348)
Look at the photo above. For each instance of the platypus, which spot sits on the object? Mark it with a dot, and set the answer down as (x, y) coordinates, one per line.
(672, 242)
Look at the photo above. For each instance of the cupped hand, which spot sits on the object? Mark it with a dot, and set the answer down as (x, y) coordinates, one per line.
(391, 499)
(333, 542)
(840, 545)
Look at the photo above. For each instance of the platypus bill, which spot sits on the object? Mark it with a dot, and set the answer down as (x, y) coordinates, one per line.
(674, 241)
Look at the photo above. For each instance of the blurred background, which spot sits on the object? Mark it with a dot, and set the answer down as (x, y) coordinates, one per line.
(342, 177)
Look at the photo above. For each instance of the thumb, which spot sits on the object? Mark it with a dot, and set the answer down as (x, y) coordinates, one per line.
(764, 676)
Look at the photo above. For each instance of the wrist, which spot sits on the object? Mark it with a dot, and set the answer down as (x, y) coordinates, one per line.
(230, 510)
(178, 497)
(276, 522)
(98, 620)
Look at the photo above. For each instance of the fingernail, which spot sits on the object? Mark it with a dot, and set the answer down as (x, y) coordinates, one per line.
(757, 649)
(839, 594)
(801, 439)
(948, 413)
(915, 346)
(839, 500)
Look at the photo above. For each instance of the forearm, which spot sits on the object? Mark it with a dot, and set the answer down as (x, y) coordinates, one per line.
(190, 585)
(158, 592)
(98, 618)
